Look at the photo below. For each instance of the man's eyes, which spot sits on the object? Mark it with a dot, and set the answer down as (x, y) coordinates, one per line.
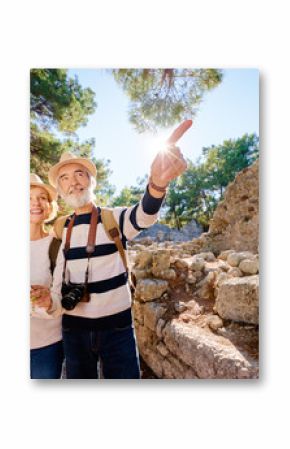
(79, 174)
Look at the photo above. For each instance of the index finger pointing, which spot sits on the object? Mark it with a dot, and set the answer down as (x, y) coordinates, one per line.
(178, 132)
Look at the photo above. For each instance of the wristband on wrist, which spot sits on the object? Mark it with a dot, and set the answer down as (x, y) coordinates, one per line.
(155, 187)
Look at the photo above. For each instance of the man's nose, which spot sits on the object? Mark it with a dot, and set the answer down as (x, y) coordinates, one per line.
(74, 180)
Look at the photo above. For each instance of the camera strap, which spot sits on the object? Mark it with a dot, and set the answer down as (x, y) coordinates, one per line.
(91, 240)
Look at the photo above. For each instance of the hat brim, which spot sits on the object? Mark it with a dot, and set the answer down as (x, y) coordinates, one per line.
(52, 174)
(49, 189)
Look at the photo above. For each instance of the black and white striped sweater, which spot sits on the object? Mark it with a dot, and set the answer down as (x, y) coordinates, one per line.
(108, 287)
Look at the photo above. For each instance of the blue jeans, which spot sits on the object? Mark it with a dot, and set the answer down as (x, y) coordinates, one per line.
(46, 362)
(115, 349)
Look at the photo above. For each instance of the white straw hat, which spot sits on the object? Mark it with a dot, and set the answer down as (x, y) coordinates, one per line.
(36, 181)
(69, 158)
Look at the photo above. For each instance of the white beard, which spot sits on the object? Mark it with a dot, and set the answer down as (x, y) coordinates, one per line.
(76, 201)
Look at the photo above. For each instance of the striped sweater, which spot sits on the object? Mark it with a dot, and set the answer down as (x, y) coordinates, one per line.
(107, 282)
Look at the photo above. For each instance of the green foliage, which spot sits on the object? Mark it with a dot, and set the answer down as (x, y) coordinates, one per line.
(130, 195)
(45, 150)
(222, 162)
(197, 192)
(56, 100)
(163, 97)
(104, 190)
(59, 106)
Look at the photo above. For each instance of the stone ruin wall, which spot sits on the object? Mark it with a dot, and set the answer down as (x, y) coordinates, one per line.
(235, 223)
(196, 311)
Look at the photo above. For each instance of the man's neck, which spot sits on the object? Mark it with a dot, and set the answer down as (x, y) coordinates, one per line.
(86, 209)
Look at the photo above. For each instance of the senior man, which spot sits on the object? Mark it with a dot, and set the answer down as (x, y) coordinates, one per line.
(90, 280)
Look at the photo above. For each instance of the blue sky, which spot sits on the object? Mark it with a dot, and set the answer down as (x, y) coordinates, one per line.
(228, 111)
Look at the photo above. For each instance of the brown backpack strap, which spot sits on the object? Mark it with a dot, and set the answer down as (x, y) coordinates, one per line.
(59, 225)
(113, 232)
(115, 236)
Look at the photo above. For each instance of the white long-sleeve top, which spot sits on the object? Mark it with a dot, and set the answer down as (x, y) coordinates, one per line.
(107, 282)
(44, 329)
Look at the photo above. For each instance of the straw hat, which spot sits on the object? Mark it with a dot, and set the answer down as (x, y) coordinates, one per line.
(69, 158)
(37, 182)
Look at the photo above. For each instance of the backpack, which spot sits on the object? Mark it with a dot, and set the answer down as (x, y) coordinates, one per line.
(56, 241)
(53, 252)
(113, 233)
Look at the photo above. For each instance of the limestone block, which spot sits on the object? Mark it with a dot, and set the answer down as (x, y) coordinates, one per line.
(209, 355)
(238, 299)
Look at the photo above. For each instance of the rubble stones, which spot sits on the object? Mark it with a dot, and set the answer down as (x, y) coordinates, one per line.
(197, 264)
(208, 256)
(215, 322)
(235, 272)
(143, 259)
(149, 289)
(249, 266)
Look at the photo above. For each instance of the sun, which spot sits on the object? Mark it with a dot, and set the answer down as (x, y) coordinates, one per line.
(157, 144)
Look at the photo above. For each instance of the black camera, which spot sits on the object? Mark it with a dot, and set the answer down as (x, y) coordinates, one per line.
(72, 294)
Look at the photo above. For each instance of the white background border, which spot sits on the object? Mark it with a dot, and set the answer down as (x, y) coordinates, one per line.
(220, 414)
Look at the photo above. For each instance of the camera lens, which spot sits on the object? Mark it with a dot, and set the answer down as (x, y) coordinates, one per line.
(72, 298)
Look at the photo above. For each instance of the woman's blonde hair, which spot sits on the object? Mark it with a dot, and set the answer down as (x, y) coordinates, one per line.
(54, 210)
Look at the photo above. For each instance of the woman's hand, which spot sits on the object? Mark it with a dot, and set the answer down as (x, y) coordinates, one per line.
(40, 296)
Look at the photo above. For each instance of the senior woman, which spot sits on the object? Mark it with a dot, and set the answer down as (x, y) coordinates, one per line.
(46, 351)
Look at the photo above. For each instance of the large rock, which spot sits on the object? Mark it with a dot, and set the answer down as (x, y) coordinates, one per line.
(209, 356)
(238, 299)
(235, 222)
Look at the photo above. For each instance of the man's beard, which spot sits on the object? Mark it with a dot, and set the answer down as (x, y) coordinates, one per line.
(80, 200)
